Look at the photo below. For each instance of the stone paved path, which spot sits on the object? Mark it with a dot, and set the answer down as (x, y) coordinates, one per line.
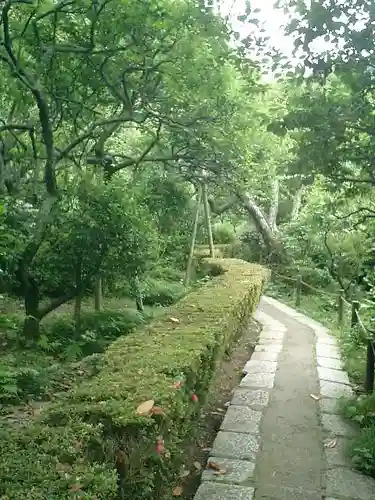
(275, 439)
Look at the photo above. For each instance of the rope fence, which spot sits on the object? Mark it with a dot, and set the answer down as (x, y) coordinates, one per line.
(355, 320)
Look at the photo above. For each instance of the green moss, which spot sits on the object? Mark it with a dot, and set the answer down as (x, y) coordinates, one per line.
(95, 428)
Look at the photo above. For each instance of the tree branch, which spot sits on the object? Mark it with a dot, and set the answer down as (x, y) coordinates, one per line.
(220, 209)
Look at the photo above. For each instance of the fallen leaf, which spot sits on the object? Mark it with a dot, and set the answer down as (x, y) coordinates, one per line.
(76, 487)
(221, 409)
(156, 410)
(216, 413)
(212, 465)
(220, 472)
(313, 396)
(145, 408)
(330, 444)
(174, 320)
(227, 404)
(177, 492)
(197, 465)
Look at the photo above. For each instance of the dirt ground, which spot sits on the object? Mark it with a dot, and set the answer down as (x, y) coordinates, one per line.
(227, 379)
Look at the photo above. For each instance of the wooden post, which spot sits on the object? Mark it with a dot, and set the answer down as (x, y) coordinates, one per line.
(341, 307)
(370, 368)
(355, 309)
(298, 290)
(208, 220)
(193, 237)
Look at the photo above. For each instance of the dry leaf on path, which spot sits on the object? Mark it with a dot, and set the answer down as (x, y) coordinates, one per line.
(197, 465)
(220, 472)
(314, 396)
(146, 407)
(184, 473)
(212, 465)
(177, 492)
(174, 320)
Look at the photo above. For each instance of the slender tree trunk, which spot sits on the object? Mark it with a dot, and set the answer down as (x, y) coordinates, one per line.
(32, 300)
(138, 295)
(98, 294)
(207, 219)
(193, 238)
(2, 173)
(274, 208)
(297, 202)
(79, 297)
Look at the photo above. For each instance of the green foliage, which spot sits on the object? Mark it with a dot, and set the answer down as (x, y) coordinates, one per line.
(223, 233)
(162, 292)
(95, 426)
(96, 229)
(97, 330)
(362, 448)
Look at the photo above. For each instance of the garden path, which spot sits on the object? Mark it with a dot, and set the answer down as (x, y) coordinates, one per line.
(282, 437)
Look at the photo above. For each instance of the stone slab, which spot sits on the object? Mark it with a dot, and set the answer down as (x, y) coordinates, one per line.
(237, 471)
(348, 483)
(265, 356)
(333, 363)
(269, 348)
(327, 351)
(273, 492)
(252, 398)
(242, 419)
(218, 491)
(337, 455)
(266, 341)
(333, 375)
(336, 426)
(334, 390)
(270, 335)
(255, 366)
(328, 405)
(328, 339)
(236, 445)
(261, 380)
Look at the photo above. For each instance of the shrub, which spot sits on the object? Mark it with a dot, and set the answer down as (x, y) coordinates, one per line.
(161, 292)
(92, 443)
(362, 447)
(223, 233)
(97, 330)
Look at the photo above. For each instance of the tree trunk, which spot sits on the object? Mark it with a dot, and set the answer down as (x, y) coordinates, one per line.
(98, 294)
(77, 312)
(208, 220)
(297, 202)
(32, 300)
(273, 244)
(274, 208)
(193, 238)
(79, 297)
(138, 295)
